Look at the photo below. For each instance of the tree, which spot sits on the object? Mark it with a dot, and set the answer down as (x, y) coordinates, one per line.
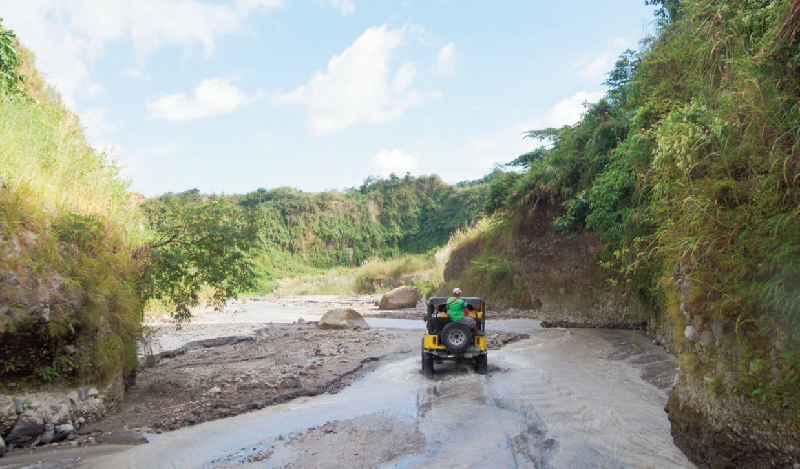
(199, 241)
(10, 80)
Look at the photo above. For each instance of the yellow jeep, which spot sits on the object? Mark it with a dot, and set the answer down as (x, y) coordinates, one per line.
(454, 341)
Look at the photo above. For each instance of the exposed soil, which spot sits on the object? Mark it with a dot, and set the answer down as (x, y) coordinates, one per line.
(277, 363)
(369, 441)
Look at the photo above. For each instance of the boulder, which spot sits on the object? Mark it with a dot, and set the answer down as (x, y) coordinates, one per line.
(399, 298)
(342, 318)
(49, 433)
(27, 432)
(62, 432)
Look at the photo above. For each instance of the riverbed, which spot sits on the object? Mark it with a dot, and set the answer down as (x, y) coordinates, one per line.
(561, 398)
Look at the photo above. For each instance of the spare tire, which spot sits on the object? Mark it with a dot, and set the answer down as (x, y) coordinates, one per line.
(456, 337)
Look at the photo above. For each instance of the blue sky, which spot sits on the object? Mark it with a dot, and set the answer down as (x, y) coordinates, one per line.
(230, 96)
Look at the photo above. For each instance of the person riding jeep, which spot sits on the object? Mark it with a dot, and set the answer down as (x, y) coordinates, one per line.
(457, 310)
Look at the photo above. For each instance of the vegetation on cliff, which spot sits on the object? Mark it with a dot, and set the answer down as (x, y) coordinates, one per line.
(689, 170)
(69, 304)
(307, 234)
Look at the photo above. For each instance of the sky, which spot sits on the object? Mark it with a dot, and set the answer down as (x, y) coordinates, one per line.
(232, 96)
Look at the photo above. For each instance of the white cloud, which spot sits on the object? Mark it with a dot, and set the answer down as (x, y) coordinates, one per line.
(358, 86)
(597, 69)
(565, 112)
(622, 42)
(394, 161)
(345, 6)
(97, 127)
(445, 59)
(212, 97)
(165, 149)
(68, 35)
(95, 123)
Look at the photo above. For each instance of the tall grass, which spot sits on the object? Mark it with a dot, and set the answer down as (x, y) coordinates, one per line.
(67, 224)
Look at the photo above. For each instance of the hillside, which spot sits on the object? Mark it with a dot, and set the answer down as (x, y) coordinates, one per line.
(69, 305)
(304, 232)
(687, 176)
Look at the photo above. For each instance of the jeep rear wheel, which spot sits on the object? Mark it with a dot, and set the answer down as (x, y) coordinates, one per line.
(456, 337)
(482, 364)
(427, 364)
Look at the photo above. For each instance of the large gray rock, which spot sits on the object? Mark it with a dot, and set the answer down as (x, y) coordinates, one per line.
(342, 318)
(27, 432)
(49, 433)
(399, 298)
(63, 431)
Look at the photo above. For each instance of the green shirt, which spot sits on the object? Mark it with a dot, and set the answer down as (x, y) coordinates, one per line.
(456, 308)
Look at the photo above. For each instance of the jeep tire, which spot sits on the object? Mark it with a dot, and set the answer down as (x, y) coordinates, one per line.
(482, 364)
(456, 337)
(427, 364)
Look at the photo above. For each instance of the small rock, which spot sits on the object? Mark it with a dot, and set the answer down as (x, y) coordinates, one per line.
(690, 334)
(301, 321)
(707, 338)
(34, 405)
(18, 406)
(720, 329)
(290, 383)
(214, 390)
(122, 437)
(55, 407)
(83, 393)
(92, 393)
(70, 350)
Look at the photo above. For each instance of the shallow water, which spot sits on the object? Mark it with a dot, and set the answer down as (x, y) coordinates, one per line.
(554, 400)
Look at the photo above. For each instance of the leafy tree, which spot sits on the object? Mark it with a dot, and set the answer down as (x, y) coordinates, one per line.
(10, 80)
(201, 241)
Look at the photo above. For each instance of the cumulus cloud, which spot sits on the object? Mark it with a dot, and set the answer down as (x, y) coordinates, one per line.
(68, 35)
(345, 6)
(622, 42)
(97, 127)
(359, 85)
(597, 69)
(445, 59)
(165, 149)
(565, 112)
(394, 161)
(212, 97)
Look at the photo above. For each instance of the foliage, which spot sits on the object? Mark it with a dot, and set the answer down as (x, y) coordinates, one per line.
(67, 224)
(302, 233)
(10, 79)
(689, 168)
(201, 242)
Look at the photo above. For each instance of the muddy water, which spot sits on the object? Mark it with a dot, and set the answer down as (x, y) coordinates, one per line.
(559, 399)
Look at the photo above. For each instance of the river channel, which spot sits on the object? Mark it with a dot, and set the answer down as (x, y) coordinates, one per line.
(560, 399)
